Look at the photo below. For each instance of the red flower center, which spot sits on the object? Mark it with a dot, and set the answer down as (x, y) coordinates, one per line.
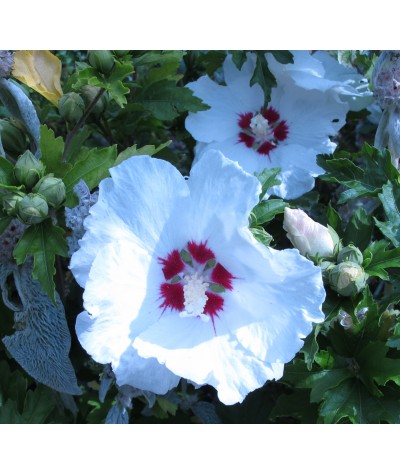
(262, 131)
(194, 282)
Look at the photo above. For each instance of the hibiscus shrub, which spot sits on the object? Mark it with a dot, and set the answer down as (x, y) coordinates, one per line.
(199, 237)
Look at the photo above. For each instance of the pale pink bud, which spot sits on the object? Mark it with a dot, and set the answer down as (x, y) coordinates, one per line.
(309, 237)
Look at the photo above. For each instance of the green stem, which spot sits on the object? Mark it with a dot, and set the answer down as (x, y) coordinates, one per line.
(80, 122)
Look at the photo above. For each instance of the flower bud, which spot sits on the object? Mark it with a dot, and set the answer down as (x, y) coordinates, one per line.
(32, 209)
(326, 267)
(89, 93)
(350, 253)
(102, 60)
(71, 107)
(386, 78)
(309, 237)
(13, 139)
(28, 169)
(11, 202)
(52, 189)
(347, 278)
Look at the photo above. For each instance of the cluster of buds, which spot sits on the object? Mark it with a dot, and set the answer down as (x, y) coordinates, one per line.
(341, 266)
(37, 191)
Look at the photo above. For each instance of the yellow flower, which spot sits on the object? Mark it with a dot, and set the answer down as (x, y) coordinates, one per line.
(41, 71)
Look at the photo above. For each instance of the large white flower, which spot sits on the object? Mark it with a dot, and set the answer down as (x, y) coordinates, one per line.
(288, 133)
(176, 285)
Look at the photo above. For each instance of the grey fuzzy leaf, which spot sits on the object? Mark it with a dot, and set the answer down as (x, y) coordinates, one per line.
(117, 415)
(20, 106)
(41, 342)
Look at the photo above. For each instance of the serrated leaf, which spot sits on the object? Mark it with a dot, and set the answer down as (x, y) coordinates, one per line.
(390, 197)
(284, 57)
(43, 241)
(238, 58)
(359, 229)
(134, 151)
(311, 347)
(165, 100)
(38, 405)
(352, 400)
(52, 150)
(267, 210)
(263, 76)
(268, 179)
(367, 180)
(377, 259)
(155, 57)
(261, 235)
(92, 169)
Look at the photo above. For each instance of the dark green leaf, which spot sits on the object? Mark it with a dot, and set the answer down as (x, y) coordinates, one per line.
(38, 405)
(92, 169)
(263, 76)
(52, 150)
(334, 219)
(390, 197)
(377, 259)
(310, 348)
(359, 230)
(267, 210)
(352, 400)
(6, 172)
(267, 178)
(283, 57)
(158, 57)
(165, 100)
(43, 241)
(4, 222)
(238, 58)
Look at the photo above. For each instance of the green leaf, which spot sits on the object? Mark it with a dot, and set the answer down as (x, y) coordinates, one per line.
(296, 405)
(352, 400)
(238, 58)
(52, 150)
(43, 241)
(261, 235)
(367, 180)
(6, 172)
(375, 368)
(267, 210)
(377, 259)
(92, 169)
(394, 339)
(263, 76)
(267, 178)
(133, 151)
(311, 347)
(166, 101)
(334, 219)
(38, 405)
(158, 57)
(359, 230)
(389, 197)
(4, 222)
(284, 57)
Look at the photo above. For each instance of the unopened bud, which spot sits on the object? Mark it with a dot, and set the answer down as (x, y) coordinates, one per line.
(33, 209)
(309, 237)
(52, 189)
(10, 202)
(102, 60)
(71, 107)
(28, 169)
(347, 278)
(13, 139)
(89, 93)
(350, 253)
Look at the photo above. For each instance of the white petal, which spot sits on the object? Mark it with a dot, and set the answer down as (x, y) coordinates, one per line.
(190, 348)
(276, 297)
(142, 190)
(219, 122)
(220, 187)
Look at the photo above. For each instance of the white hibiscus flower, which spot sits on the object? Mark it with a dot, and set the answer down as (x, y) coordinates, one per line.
(176, 285)
(304, 112)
